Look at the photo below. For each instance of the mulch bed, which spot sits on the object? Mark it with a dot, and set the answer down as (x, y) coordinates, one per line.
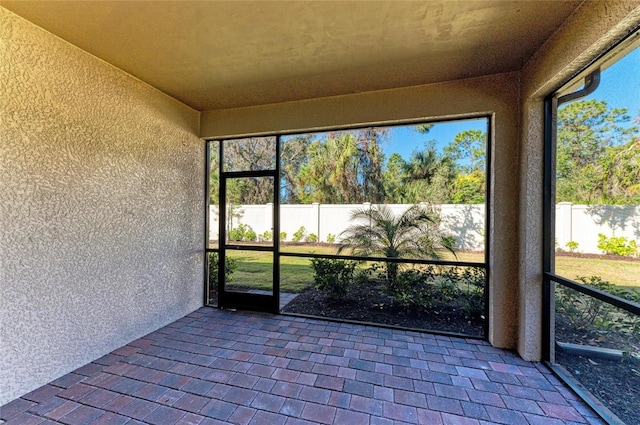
(615, 382)
(369, 304)
(597, 256)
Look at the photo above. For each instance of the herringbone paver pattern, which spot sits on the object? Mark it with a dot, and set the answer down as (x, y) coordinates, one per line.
(219, 367)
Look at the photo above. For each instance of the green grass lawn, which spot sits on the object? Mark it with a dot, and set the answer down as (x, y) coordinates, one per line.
(617, 272)
(255, 268)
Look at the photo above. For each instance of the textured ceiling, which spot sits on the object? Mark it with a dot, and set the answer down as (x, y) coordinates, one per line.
(223, 54)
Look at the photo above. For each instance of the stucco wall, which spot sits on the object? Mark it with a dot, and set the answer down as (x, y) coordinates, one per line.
(496, 95)
(587, 34)
(91, 160)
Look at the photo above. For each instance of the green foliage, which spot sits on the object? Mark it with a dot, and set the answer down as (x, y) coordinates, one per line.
(351, 167)
(283, 236)
(471, 146)
(243, 232)
(236, 234)
(231, 264)
(474, 293)
(380, 232)
(582, 310)
(267, 235)
(422, 289)
(413, 290)
(331, 238)
(587, 313)
(344, 167)
(299, 234)
(392, 179)
(249, 154)
(617, 245)
(427, 176)
(424, 128)
(333, 276)
(293, 155)
(311, 238)
(250, 235)
(572, 245)
(469, 188)
(597, 155)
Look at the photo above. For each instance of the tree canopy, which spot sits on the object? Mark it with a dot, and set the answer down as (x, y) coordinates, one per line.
(598, 162)
(598, 154)
(350, 167)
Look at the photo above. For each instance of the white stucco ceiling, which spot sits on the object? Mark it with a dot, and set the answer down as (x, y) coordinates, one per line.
(225, 54)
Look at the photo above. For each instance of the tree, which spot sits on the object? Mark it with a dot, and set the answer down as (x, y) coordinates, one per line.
(214, 172)
(596, 153)
(344, 167)
(250, 154)
(427, 176)
(468, 150)
(621, 173)
(424, 128)
(294, 153)
(378, 231)
(469, 188)
(392, 179)
(370, 162)
(327, 177)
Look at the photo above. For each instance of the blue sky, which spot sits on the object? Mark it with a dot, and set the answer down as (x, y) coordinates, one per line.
(404, 140)
(618, 88)
(620, 84)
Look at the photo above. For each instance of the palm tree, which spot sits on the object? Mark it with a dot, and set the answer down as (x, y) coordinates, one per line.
(427, 176)
(380, 232)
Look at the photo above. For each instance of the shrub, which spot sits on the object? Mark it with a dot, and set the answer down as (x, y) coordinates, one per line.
(333, 276)
(283, 236)
(250, 235)
(413, 289)
(617, 245)
(242, 233)
(231, 264)
(267, 235)
(311, 238)
(447, 283)
(473, 298)
(572, 245)
(331, 238)
(299, 234)
(580, 309)
(421, 289)
(587, 313)
(236, 233)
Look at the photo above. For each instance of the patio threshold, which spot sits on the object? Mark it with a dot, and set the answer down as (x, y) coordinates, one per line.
(215, 366)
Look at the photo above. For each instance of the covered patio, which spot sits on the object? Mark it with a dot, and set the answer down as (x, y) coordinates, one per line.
(215, 367)
(107, 111)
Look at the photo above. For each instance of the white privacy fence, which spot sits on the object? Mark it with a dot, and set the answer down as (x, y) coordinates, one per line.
(574, 223)
(582, 224)
(464, 222)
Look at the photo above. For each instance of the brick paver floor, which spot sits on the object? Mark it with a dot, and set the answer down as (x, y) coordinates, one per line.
(219, 367)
